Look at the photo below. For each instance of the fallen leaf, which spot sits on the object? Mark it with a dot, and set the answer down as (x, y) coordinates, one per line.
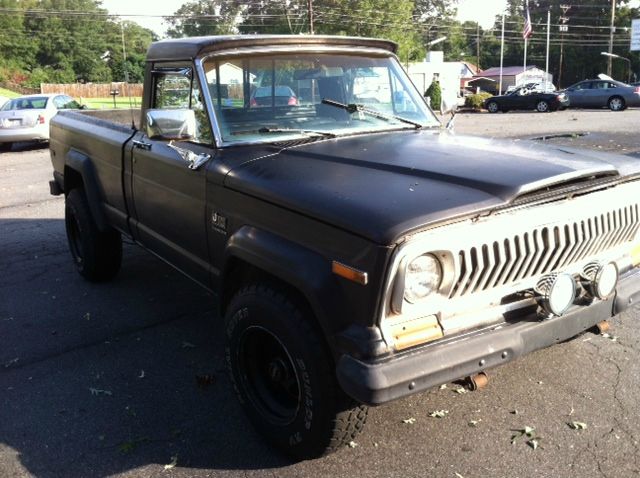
(577, 425)
(409, 421)
(203, 381)
(534, 443)
(97, 391)
(439, 413)
(352, 444)
(174, 462)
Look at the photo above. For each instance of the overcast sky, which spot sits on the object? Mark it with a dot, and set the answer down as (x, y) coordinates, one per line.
(483, 11)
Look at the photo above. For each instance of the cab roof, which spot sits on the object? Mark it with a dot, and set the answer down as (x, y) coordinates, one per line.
(190, 48)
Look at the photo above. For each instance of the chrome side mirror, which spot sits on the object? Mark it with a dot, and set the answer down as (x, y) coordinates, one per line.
(171, 125)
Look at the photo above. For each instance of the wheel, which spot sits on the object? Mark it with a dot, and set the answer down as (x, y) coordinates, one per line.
(542, 106)
(97, 255)
(284, 377)
(6, 146)
(492, 107)
(616, 103)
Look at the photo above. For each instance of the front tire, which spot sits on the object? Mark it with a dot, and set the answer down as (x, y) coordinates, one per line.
(492, 107)
(542, 106)
(96, 254)
(284, 377)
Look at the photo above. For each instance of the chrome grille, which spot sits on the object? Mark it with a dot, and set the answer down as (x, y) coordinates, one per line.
(541, 250)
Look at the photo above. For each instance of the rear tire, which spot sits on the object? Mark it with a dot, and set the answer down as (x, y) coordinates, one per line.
(284, 376)
(6, 146)
(96, 254)
(542, 106)
(616, 103)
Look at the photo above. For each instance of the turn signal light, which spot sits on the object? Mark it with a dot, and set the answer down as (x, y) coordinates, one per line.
(41, 119)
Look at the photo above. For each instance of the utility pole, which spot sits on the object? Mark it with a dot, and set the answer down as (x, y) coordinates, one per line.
(310, 8)
(613, 28)
(478, 45)
(563, 28)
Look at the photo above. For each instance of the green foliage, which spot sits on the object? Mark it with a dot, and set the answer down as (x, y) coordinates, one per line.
(434, 93)
(203, 17)
(476, 101)
(39, 43)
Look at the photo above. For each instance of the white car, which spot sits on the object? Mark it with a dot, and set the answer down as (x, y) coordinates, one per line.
(26, 118)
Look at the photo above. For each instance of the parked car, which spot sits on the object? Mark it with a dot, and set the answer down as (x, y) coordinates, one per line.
(266, 96)
(603, 93)
(524, 99)
(26, 118)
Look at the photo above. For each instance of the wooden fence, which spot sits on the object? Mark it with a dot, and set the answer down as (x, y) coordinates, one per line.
(94, 90)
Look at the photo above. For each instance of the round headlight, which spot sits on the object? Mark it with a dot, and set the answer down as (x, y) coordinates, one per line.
(423, 276)
(600, 279)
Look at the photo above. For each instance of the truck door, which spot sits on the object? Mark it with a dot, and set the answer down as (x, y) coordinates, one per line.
(169, 197)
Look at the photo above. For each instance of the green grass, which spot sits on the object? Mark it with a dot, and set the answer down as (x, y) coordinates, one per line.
(107, 103)
(8, 93)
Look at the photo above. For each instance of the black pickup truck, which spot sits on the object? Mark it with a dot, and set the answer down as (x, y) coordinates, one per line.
(360, 252)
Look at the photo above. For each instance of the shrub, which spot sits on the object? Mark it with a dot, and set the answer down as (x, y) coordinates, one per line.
(477, 100)
(434, 92)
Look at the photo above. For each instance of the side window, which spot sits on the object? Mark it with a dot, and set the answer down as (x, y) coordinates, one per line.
(178, 89)
(59, 102)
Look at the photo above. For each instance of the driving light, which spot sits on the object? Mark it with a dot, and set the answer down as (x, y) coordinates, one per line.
(556, 292)
(423, 276)
(600, 280)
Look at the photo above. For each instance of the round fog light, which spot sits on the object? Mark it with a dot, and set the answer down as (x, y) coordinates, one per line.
(600, 280)
(556, 292)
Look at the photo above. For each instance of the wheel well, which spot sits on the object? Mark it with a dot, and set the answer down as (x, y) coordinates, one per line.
(239, 273)
(72, 179)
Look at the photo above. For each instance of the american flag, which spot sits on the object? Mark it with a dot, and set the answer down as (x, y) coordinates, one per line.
(528, 29)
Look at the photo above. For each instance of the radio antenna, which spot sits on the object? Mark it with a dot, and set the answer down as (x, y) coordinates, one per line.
(126, 75)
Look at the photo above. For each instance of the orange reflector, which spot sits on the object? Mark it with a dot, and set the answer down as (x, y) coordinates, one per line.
(349, 273)
(635, 255)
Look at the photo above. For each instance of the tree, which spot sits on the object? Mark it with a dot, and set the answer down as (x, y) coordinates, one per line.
(204, 17)
(434, 93)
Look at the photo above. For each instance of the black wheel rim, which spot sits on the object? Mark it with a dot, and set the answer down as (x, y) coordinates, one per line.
(269, 376)
(75, 243)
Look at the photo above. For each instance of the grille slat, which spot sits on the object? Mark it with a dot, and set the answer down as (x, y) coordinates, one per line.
(542, 250)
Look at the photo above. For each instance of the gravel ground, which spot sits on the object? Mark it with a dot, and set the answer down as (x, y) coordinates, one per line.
(107, 380)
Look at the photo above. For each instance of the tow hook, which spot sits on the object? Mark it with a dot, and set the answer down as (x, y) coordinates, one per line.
(477, 381)
(602, 327)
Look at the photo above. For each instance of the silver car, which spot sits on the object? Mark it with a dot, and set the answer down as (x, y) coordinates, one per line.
(603, 93)
(26, 118)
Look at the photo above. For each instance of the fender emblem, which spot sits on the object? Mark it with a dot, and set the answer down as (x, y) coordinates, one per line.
(218, 222)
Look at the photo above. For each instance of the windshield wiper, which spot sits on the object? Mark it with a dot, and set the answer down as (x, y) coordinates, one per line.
(324, 134)
(354, 107)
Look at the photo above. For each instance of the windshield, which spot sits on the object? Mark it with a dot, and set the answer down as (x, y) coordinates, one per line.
(264, 98)
(36, 102)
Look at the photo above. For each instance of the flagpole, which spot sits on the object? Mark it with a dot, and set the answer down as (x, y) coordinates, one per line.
(546, 66)
(525, 57)
(501, 55)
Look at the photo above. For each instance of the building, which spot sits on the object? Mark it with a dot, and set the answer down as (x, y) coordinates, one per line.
(489, 80)
(452, 75)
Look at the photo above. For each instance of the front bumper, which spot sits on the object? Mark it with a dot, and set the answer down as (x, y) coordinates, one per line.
(390, 378)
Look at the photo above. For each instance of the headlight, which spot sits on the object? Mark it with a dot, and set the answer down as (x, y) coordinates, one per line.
(423, 276)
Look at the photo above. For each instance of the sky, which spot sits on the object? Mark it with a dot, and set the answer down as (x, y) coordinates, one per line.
(483, 11)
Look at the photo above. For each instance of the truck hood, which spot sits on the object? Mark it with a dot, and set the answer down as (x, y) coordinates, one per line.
(383, 186)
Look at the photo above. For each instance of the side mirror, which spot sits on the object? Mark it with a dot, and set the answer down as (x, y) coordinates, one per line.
(171, 125)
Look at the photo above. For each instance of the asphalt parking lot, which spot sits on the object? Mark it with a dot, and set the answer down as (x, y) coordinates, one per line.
(127, 378)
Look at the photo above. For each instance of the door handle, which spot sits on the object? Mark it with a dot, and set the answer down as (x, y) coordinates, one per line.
(142, 145)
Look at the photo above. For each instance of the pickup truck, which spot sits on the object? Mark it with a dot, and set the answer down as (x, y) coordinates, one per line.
(359, 251)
